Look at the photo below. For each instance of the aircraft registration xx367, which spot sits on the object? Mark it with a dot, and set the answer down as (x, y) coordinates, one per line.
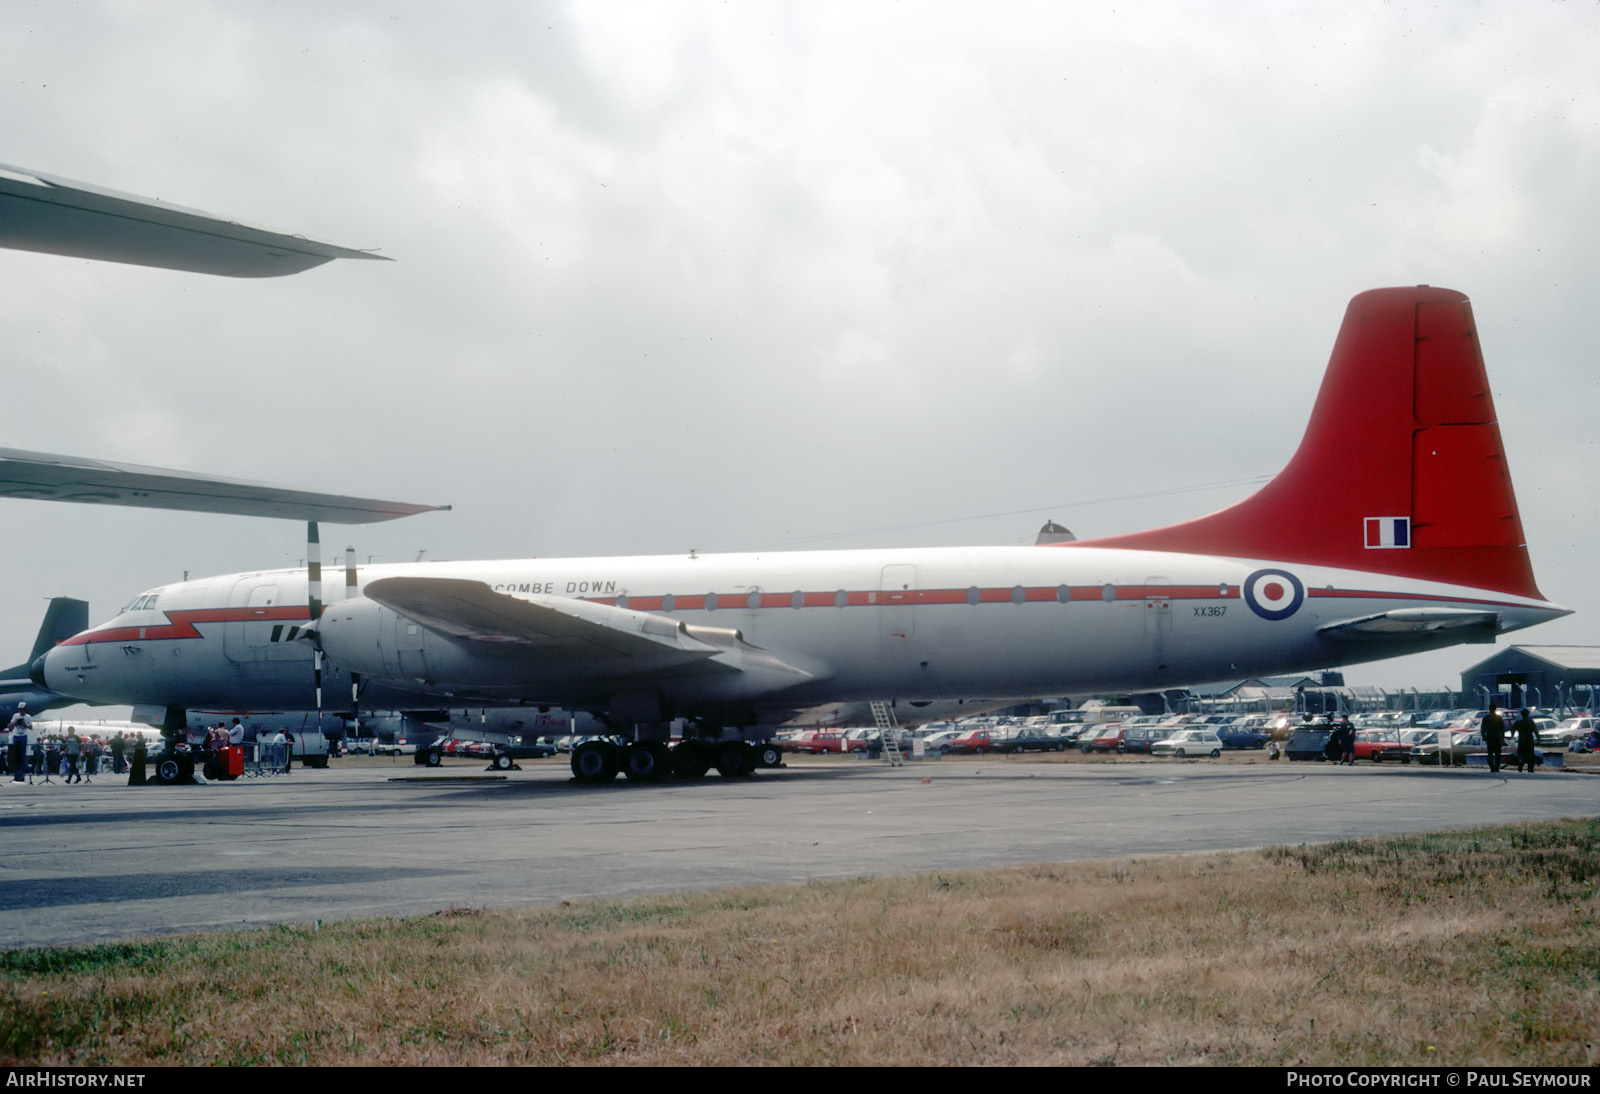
(1393, 529)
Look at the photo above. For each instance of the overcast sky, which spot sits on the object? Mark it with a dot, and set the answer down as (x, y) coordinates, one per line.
(713, 276)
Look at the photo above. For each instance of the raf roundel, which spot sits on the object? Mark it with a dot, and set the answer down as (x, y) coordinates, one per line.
(1274, 594)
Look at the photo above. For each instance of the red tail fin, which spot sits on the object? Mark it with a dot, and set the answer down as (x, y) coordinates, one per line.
(1401, 470)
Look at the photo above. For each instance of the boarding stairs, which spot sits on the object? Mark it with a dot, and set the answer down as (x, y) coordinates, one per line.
(888, 732)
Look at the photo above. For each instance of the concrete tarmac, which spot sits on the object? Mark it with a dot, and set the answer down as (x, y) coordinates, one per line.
(105, 861)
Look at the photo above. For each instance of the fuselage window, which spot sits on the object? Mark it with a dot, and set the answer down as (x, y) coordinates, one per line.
(753, 600)
(668, 602)
(973, 595)
(1108, 593)
(798, 600)
(622, 601)
(1018, 594)
(840, 598)
(711, 602)
(1063, 594)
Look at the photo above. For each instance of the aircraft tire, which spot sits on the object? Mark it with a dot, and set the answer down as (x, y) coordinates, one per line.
(594, 762)
(434, 758)
(502, 761)
(733, 760)
(646, 762)
(169, 770)
(768, 755)
(691, 759)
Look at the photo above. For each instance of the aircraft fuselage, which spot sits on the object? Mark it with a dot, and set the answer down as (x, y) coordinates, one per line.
(930, 623)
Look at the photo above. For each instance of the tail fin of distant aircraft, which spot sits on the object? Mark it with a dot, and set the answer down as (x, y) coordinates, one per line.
(64, 618)
(1401, 469)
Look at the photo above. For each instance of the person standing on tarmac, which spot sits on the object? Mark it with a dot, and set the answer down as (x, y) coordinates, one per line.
(1494, 736)
(1347, 742)
(1527, 735)
(73, 746)
(20, 724)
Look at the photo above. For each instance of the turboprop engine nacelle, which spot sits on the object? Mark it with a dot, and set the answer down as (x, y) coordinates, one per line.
(363, 636)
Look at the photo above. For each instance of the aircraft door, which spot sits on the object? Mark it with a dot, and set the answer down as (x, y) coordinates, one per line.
(897, 592)
(248, 639)
(1158, 613)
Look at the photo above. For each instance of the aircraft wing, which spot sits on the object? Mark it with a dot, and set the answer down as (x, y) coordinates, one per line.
(567, 629)
(45, 477)
(1410, 623)
(52, 215)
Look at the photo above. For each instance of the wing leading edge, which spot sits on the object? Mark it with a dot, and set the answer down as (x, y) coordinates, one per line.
(46, 477)
(52, 215)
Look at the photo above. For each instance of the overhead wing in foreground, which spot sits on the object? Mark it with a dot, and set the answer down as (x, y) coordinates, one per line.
(52, 215)
(1409, 624)
(45, 477)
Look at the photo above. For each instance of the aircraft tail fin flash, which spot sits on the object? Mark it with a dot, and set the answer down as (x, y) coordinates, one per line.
(1401, 470)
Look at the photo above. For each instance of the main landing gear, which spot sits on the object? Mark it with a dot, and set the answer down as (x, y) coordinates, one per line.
(598, 760)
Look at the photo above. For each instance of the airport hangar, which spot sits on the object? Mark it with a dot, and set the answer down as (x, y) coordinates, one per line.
(1543, 676)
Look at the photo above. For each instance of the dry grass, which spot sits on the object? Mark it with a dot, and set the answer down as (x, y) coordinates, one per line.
(1475, 947)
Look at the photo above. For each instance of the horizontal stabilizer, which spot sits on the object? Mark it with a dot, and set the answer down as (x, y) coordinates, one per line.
(42, 476)
(1411, 623)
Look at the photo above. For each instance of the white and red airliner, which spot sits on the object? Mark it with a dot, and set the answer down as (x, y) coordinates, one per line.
(1394, 529)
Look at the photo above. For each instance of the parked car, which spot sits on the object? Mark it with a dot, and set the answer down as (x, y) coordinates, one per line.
(814, 741)
(1371, 744)
(976, 741)
(1035, 738)
(1449, 748)
(1189, 742)
(1143, 738)
(1564, 733)
(863, 740)
(1241, 736)
(1106, 738)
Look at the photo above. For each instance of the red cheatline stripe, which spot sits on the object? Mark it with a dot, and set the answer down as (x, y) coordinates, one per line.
(181, 624)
